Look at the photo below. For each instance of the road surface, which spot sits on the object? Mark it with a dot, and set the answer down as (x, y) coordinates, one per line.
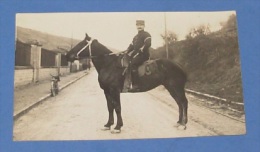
(79, 113)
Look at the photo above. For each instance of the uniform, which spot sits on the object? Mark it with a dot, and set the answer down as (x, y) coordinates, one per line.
(138, 50)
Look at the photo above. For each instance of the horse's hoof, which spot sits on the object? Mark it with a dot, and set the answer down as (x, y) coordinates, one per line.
(115, 131)
(105, 128)
(177, 125)
(182, 127)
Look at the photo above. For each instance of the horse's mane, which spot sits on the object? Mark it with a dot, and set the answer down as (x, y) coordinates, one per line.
(102, 47)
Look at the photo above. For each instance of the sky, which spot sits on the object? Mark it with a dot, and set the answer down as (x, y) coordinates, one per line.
(117, 29)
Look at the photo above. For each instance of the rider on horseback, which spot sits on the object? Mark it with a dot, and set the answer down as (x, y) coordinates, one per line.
(138, 51)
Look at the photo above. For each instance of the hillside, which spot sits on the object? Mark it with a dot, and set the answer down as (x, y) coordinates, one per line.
(48, 41)
(211, 61)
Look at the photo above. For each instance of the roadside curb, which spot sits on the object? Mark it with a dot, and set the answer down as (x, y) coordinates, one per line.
(239, 106)
(43, 98)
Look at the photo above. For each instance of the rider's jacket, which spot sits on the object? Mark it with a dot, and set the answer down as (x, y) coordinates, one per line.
(140, 44)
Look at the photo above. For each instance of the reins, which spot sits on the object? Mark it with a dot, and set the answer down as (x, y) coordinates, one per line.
(90, 51)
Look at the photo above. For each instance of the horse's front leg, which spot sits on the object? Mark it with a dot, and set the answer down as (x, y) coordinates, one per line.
(110, 108)
(117, 106)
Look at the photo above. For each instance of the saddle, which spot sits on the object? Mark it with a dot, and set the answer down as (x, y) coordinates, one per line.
(147, 68)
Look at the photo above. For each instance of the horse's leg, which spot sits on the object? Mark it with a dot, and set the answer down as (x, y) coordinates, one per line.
(173, 94)
(110, 107)
(178, 93)
(184, 102)
(117, 105)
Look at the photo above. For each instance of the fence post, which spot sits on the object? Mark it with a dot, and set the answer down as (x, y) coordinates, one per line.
(77, 64)
(36, 61)
(58, 62)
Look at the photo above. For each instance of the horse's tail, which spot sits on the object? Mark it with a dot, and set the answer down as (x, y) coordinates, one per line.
(185, 75)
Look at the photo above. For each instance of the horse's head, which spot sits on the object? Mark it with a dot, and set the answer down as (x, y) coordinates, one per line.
(81, 50)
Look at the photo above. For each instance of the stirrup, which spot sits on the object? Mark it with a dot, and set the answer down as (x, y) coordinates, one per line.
(134, 88)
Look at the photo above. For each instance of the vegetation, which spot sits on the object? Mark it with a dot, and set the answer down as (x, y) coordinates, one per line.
(211, 59)
(171, 37)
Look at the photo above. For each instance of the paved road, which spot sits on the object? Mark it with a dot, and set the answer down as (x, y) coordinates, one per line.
(79, 112)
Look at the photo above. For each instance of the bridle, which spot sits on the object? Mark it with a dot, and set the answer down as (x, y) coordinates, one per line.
(87, 45)
(89, 42)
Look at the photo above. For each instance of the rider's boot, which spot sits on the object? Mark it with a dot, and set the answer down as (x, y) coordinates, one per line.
(135, 80)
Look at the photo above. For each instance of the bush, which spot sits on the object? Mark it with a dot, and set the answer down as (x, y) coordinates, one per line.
(211, 60)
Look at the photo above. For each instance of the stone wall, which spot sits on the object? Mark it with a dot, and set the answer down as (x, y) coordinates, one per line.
(23, 76)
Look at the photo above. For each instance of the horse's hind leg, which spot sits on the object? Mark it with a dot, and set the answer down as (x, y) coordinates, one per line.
(184, 102)
(173, 94)
(178, 93)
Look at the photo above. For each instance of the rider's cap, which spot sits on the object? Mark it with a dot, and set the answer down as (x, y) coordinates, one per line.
(139, 22)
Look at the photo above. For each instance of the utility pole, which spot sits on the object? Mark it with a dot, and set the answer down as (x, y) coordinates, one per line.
(71, 40)
(71, 45)
(166, 36)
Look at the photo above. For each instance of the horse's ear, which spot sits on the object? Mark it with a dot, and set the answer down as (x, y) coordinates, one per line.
(87, 37)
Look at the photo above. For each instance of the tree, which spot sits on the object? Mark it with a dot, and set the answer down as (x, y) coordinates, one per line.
(201, 30)
(229, 28)
(171, 37)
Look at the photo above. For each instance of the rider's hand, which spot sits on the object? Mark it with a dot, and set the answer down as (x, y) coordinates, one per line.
(130, 53)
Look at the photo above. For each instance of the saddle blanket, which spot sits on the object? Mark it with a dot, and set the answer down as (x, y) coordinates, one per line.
(147, 68)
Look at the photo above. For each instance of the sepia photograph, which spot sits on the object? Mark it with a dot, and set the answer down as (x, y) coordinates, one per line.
(127, 75)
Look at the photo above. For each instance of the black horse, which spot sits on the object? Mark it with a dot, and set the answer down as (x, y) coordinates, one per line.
(111, 80)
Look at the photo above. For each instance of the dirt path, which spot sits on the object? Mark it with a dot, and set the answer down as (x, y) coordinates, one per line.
(79, 112)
